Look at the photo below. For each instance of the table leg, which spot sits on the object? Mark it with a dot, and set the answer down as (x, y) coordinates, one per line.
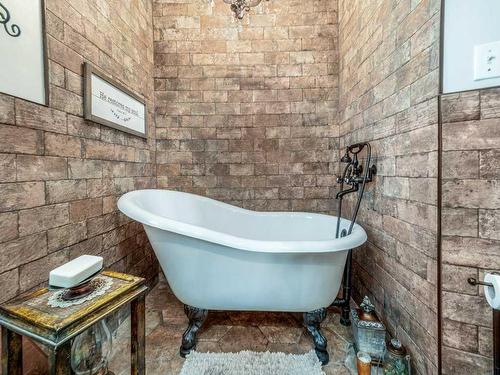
(60, 360)
(138, 337)
(12, 352)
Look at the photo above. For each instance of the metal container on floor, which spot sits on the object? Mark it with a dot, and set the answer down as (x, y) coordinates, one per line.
(368, 331)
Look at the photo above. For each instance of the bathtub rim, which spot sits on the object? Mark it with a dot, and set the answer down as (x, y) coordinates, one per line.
(127, 206)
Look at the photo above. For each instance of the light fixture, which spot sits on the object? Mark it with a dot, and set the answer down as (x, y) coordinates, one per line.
(241, 7)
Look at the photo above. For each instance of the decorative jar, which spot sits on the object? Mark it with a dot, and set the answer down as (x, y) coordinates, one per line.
(396, 361)
(368, 330)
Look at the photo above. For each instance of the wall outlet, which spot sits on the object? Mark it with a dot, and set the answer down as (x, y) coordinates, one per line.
(487, 61)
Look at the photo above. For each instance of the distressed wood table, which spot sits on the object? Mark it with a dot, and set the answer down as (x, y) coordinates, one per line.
(55, 327)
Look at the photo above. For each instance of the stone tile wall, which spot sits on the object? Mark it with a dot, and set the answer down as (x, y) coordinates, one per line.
(246, 111)
(470, 226)
(255, 113)
(60, 176)
(389, 81)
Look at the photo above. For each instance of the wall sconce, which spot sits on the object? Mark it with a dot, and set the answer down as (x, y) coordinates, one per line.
(241, 7)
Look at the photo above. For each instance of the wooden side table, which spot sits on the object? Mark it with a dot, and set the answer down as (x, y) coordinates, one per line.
(55, 327)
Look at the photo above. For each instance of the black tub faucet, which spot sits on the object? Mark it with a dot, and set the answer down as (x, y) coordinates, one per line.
(353, 172)
(356, 177)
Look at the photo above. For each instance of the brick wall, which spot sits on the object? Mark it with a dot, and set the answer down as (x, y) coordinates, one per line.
(60, 176)
(470, 225)
(246, 111)
(388, 96)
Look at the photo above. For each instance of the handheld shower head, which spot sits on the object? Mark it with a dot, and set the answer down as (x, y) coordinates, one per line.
(346, 158)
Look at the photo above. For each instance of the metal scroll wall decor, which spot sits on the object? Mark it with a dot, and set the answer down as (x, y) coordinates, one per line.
(24, 68)
(241, 7)
(12, 30)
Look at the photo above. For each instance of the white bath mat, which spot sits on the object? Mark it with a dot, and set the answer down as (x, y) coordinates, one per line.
(251, 363)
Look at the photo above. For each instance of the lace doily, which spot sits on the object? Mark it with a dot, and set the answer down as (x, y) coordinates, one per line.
(101, 285)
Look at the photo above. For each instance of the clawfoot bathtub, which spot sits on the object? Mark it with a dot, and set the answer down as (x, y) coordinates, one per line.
(216, 256)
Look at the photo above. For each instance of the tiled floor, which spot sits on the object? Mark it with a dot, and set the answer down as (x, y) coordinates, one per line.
(224, 332)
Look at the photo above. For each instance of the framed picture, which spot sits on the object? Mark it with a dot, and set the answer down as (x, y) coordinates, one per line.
(109, 103)
(24, 68)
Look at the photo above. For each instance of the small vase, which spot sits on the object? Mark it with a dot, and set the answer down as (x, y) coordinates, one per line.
(91, 349)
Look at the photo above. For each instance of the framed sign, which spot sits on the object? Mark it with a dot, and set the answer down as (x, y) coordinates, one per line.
(23, 72)
(109, 103)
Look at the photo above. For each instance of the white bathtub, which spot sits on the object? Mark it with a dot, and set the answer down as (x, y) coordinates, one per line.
(217, 256)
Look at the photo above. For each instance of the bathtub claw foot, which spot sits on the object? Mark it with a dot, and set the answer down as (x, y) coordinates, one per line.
(196, 319)
(312, 321)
